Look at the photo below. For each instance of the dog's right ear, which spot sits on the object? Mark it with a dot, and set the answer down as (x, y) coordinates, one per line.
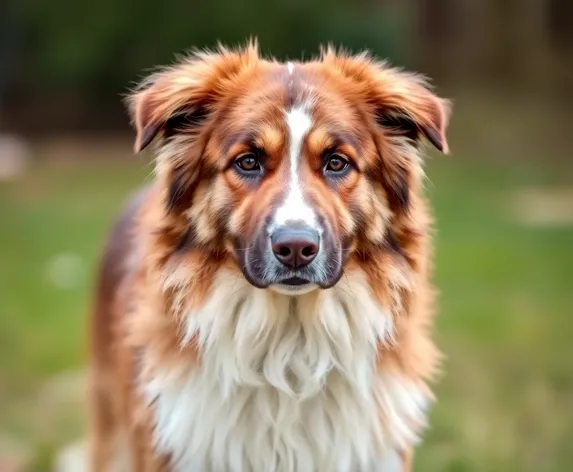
(181, 96)
(164, 106)
(141, 112)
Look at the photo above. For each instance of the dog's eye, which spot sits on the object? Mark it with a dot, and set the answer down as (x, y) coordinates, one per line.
(336, 164)
(248, 163)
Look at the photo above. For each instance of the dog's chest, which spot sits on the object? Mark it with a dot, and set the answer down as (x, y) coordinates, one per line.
(285, 390)
(262, 429)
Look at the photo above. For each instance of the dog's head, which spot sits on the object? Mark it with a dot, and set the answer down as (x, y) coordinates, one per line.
(290, 169)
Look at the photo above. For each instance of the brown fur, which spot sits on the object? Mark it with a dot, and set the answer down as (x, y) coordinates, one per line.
(187, 221)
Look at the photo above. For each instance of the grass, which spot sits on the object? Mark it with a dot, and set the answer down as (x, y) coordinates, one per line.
(505, 401)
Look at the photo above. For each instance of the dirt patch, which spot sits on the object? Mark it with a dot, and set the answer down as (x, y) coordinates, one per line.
(15, 455)
(59, 406)
(543, 207)
(103, 148)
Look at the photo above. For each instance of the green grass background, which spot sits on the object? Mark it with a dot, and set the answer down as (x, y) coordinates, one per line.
(505, 324)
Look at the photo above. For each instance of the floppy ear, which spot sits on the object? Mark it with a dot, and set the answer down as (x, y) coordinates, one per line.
(402, 102)
(150, 121)
(406, 105)
(181, 96)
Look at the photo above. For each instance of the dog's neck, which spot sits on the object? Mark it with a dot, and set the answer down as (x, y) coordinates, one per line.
(284, 379)
(253, 337)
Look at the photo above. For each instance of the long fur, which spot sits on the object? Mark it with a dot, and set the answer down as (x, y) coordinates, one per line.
(285, 384)
(197, 367)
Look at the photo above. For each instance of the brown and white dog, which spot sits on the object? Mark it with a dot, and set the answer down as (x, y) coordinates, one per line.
(265, 304)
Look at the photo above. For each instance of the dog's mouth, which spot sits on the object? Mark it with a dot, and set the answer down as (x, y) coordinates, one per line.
(294, 286)
(295, 281)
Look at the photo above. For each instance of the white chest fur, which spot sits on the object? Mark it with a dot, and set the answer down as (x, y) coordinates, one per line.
(286, 385)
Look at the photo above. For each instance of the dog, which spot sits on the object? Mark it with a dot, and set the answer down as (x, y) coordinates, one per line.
(265, 304)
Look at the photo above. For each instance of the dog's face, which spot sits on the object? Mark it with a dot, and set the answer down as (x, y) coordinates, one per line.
(290, 169)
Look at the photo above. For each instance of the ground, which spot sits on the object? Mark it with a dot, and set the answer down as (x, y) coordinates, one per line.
(504, 269)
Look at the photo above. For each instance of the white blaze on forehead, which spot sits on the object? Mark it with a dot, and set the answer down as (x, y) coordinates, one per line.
(294, 207)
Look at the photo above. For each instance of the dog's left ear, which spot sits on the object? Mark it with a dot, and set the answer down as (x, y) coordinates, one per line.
(402, 102)
(406, 105)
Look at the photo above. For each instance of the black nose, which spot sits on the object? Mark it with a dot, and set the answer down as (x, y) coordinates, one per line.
(295, 247)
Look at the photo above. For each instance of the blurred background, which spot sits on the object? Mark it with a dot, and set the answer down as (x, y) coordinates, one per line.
(504, 200)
